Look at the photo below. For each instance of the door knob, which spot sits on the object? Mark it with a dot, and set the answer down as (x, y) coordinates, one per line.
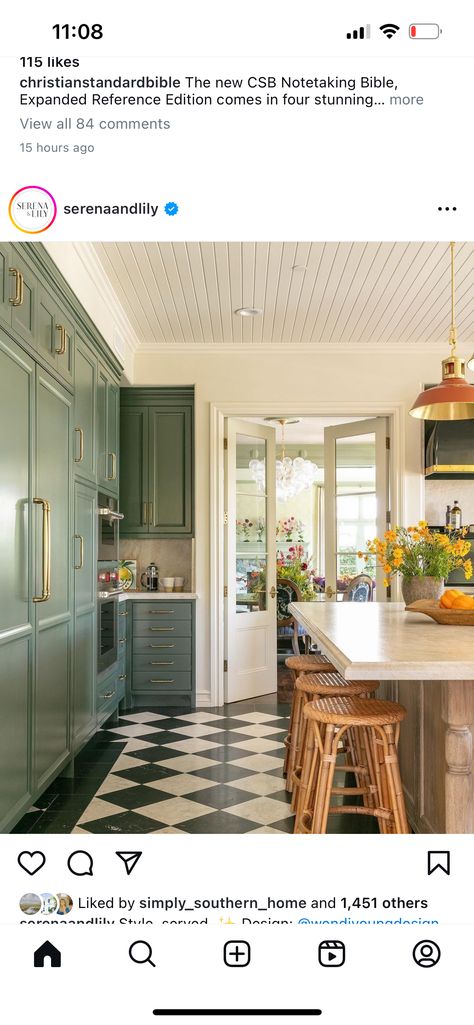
(329, 592)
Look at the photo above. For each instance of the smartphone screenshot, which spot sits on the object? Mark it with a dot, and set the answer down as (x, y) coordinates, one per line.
(236, 513)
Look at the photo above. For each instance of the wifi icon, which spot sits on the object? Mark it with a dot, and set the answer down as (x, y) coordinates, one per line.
(389, 30)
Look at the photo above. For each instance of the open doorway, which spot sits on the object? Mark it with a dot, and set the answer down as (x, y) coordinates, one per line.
(302, 496)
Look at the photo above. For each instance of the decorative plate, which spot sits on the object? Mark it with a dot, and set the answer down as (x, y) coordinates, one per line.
(128, 574)
(445, 617)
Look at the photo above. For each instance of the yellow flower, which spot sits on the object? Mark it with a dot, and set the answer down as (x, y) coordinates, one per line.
(386, 582)
(422, 523)
(467, 566)
(390, 535)
(387, 568)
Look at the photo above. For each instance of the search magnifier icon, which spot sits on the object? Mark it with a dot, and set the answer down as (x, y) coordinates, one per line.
(141, 953)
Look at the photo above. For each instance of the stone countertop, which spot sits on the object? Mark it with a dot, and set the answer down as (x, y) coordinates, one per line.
(380, 641)
(157, 596)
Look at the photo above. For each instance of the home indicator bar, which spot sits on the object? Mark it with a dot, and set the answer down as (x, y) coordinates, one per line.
(214, 1011)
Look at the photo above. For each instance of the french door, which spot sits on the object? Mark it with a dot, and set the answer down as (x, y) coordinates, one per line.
(356, 486)
(250, 561)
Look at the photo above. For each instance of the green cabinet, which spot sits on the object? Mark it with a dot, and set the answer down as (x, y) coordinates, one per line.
(85, 635)
(163, 659)
(108, 414)
(52, 578)
(85, 403)
(54, 336)
(18, 294)
(17, 384)
(156, 468)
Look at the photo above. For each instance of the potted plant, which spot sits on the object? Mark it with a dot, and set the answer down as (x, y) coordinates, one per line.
(423, 558)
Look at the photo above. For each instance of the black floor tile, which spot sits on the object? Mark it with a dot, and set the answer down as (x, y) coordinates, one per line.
(223, 773)
(220, 796)
(125, 822)
(217, 822)
(142, 773)
(136, 797)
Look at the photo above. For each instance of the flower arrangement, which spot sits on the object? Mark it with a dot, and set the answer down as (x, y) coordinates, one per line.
(420, 552)
(294, 566)
(244, 528)
(290, 529)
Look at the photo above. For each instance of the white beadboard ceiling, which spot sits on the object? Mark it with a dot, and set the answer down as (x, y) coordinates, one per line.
(343, 294)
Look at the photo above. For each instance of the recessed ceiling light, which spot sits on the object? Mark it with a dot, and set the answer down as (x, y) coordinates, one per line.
(248, 311)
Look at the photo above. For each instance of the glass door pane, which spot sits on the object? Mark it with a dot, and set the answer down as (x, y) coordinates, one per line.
(251, 535)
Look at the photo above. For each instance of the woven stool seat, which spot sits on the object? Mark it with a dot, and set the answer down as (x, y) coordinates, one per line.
(325, 683)
(354, 711)
(308, 664)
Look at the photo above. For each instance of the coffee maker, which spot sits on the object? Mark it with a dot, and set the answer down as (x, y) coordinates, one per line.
(150, 579)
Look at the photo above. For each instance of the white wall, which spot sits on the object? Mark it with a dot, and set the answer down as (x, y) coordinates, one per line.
(331, 380)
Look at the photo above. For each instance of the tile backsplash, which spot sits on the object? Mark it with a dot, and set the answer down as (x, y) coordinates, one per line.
(440, 493)
(173, 558)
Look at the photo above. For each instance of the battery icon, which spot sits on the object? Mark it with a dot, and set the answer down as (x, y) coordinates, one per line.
(424, 31)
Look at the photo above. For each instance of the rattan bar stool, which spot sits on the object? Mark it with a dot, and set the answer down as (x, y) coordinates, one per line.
(377, 727)
(308, 687)
(300, 665)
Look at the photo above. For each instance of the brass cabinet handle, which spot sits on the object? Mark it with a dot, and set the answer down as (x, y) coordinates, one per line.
(161, 612)
(108, 694)
(62, 344)
(162, 681)
(19, 288)
(273, 592)
(123, 676)
(121, 640)
(171, 663)
(79, 537)
(46, 555)
(150, 513)
(113, 475)
(123, 613)
(145, 514)
(161, 646)
(80, 432)
(160, 629)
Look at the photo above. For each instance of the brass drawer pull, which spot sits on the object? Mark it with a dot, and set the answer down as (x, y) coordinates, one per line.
(121, 640)
(160, 629)
(123, 676)
(162, 681)
(123, 613)
(145, 514)
(108, 694)
(161, 612)
(19, 289)
(161, 645)
(80, 432)
(62, 344)
(170, 663)
(79, 537)
(46, 555)
(113, 475)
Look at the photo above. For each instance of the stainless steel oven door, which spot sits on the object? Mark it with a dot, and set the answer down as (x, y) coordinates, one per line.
(108, 533)
(107, 630)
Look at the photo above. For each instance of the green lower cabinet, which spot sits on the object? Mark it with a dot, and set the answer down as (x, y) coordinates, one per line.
(15, 758)
(163, 653)
(85, 629)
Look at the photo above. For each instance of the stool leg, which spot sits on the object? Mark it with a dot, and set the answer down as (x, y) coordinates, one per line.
(309, 756)
(295, 730)
(325, 780)
(288, 738)
(395, 783)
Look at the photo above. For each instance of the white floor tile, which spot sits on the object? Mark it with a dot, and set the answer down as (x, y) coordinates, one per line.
(200, 717)
(174, 811)
(256, 717)
(259, 763)
(143, 717)
(125, 762)
(260, 783)
(113, 783)
(196, 730)
(136, 745)
(262, 810)
(181, 784)
(134, 730)
(266, 829)
(193, 745)
(188, 763)
(258, 744)
(99, 809)
(257, 730)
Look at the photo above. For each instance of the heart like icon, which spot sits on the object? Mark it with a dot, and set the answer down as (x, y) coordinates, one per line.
(31, 861)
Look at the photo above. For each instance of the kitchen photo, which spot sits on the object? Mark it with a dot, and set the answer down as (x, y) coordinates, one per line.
(237, 528)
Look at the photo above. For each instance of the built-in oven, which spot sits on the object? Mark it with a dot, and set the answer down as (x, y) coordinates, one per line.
(108, 581)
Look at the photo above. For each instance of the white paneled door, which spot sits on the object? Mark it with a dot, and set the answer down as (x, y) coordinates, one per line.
(356, 486)
(250, 561)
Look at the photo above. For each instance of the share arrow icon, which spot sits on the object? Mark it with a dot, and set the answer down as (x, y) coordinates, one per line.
(130, 859)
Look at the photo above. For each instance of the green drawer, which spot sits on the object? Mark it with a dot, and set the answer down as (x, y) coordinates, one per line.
(165, 645)
(159, 609)
(161, 682)
(109, 692)
(165, 628)
(165, 660)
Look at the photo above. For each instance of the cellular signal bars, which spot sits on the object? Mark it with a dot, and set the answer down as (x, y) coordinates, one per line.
(359, 33)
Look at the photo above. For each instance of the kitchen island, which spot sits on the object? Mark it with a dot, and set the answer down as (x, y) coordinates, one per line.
(430, 670)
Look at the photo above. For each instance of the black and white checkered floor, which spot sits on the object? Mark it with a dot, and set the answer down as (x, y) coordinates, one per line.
(198, 772)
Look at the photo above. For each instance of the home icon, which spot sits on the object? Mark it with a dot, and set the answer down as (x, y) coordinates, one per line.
(45, 951)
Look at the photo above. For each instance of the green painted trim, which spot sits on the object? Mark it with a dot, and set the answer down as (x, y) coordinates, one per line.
(150, 396)
(44, 266)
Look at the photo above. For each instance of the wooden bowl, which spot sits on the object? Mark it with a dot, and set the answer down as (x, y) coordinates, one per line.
(445, 617)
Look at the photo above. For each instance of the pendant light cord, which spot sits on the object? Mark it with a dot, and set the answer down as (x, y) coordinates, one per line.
(453, 331)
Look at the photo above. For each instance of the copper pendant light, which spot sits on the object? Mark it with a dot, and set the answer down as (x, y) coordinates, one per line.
(453, 399)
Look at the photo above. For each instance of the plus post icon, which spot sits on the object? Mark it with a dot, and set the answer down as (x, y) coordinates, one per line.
(237, 953)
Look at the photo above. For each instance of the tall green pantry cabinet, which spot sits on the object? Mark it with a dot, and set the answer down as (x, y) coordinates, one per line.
(57, 444)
